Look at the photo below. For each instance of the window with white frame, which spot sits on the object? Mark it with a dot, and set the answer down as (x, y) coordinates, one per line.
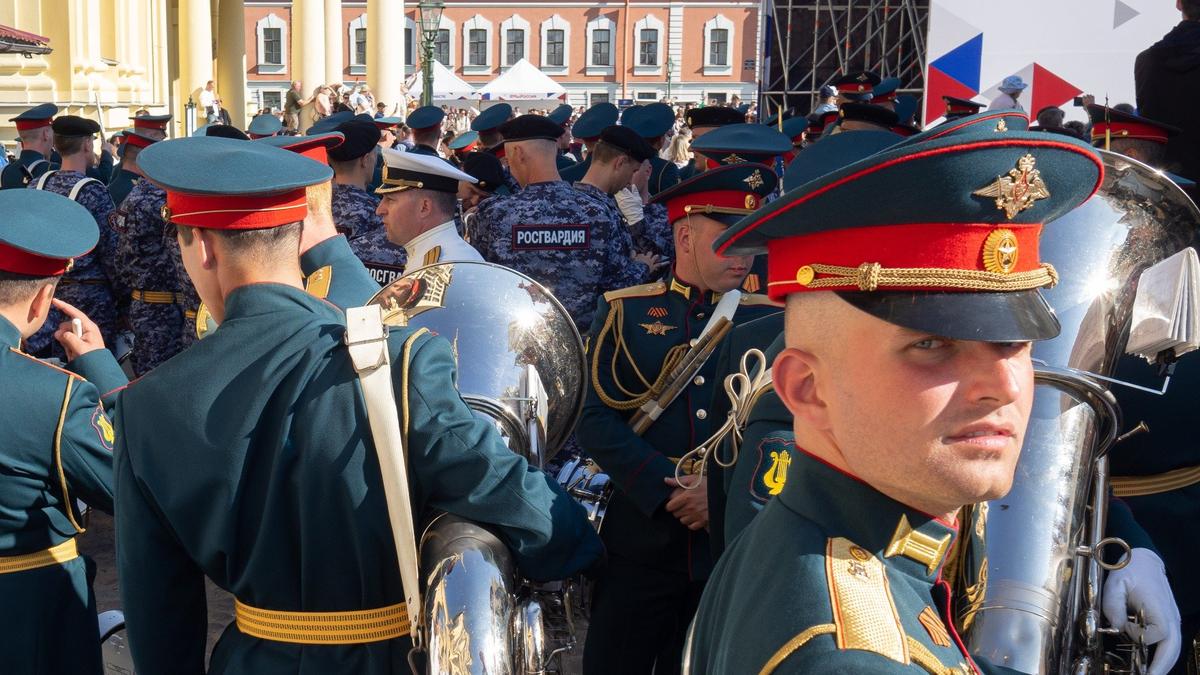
(600, 34)
(272, 44)
(356, 38)
(648, 33)
(410, 33)
(477, 45)
(718, 46)
(443, 44)
(556, 38)
(514, 33)
(271, 100)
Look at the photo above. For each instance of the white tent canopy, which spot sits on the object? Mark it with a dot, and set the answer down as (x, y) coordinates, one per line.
(522, 82)
(446, 85)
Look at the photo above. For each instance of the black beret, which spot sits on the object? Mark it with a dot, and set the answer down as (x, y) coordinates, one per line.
(72, 125)
(628, 141)
(869, 112)
(713, 116)
(485, 168)
(361, 138)
(225, 131)
(530, 127)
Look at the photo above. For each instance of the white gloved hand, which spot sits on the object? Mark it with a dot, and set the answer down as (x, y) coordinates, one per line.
(1142, 586)
(630, 203)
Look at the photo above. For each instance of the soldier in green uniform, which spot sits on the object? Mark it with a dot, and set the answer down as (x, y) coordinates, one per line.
(702, 121)
(148, 128)
(654, 529)
(426, 125)
(562, 117)
(272, 487)
(37, 147)
(907, 368)
(57, 448)
(587, 129)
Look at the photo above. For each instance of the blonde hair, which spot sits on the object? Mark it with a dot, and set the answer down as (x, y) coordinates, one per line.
(679, 150)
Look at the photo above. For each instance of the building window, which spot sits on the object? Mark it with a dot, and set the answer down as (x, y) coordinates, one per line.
(601, 48)
(272, 45)
(593, 99)
(648, 52)
(408, 47)
(441, 47)
(357, 44)
(272, 100)
(647, 35)
(555, 43)
(718, 47)
(599, 51)
(648, 96)
(515, 32)
(478, 47)
(360, 45)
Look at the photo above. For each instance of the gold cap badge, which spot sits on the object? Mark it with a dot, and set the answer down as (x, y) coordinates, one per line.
(1000, 252)
(1018, 190)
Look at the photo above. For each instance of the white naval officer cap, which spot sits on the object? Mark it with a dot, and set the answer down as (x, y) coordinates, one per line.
(413, 170)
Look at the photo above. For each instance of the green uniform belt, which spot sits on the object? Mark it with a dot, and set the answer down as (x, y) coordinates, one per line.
(323, 628)
(157, 297)
(55, 555)
(1140, 486)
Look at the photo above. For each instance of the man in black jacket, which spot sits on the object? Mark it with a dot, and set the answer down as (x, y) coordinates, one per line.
(1162, 72)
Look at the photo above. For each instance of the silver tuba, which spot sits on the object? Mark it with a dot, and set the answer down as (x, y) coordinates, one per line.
(1031, 563)
(521, 368)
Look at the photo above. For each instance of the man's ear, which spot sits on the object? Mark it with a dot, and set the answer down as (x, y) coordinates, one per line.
(39, 307)
(795, 376)
(205, 240)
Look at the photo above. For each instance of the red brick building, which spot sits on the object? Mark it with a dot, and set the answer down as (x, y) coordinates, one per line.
(691, 51)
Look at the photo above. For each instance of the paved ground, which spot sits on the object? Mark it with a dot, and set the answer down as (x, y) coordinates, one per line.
(98, 543)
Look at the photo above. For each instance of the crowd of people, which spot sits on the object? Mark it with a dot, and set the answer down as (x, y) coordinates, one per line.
(872, 280)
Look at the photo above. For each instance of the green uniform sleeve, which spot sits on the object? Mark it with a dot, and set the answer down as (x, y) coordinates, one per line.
(162, 590)
(350, 284)
(634, 466)
(465, 468)
(100, 368)
(86, 448)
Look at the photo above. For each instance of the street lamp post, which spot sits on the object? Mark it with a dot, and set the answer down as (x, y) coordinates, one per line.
(430, 13)
(670, 71)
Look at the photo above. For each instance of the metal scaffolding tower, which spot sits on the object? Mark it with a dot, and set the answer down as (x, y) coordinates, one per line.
(809, 43)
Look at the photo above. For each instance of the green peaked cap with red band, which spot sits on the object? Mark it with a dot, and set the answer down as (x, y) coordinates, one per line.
(940, 236)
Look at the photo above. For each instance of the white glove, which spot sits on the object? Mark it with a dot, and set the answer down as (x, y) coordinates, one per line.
(630, 203)
(1142, 586)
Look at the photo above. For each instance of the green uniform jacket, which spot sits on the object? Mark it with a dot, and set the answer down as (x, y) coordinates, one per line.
(832, 577)
(575, 173)
(737, 493)
(57, 447)
(261, 476)
(17, 174)
(121, 184)
(644, 323)
(334, 273)
(663, 175)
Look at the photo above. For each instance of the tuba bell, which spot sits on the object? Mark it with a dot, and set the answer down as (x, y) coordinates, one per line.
(1032, 563)
(521, 368)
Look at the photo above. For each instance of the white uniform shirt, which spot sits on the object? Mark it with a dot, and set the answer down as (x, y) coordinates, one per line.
(441, 244)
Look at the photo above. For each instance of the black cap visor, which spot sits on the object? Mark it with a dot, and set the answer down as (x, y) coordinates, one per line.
(1021, 316)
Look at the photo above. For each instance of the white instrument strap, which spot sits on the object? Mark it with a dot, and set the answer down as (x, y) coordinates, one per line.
(366, 337)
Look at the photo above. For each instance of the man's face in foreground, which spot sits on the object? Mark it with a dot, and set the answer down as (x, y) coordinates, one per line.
(932, 422)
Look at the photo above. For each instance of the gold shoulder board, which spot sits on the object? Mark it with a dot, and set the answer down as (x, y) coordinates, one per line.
(636, 291)
(757, 299)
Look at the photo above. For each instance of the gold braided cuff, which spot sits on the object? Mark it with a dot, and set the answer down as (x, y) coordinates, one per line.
(873, 276)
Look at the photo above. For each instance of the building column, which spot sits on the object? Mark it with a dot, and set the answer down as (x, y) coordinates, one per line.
(385, 50)
(308, 49)
(335, 28)
(195, 56)
(231, 59)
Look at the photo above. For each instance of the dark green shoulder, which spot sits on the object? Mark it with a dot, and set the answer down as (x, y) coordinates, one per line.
(759, 300)
(643, 290)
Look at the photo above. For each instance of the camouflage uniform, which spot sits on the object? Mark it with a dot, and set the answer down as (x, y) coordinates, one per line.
(146, 267)
(354, 215)
(563, 238)
(91, 284)
(189, 298)
(651, 234)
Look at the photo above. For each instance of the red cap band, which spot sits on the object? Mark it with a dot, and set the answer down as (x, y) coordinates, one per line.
(17, 261)
(135, 141)
(1145, 132)
(697, 202)
(149, 124)
(226, 212)
(1007, 248)
(26, 125)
